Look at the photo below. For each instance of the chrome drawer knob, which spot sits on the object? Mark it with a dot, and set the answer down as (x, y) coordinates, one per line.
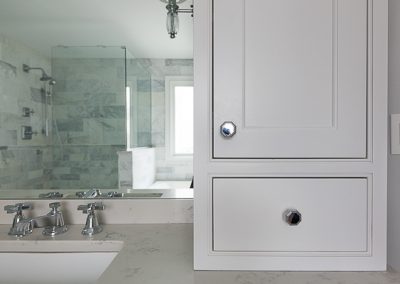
(228, 129)
(292, 217)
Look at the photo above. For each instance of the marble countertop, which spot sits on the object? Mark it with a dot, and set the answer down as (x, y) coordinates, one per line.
(163, 254)
(160, 254)
(158, 187)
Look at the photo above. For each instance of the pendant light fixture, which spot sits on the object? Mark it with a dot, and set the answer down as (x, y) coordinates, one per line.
(172, 15)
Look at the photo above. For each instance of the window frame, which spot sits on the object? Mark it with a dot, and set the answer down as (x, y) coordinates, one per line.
(131, 124)
(170, 83)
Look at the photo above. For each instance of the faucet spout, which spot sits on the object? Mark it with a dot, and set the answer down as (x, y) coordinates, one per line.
(27, 225)
(57, 225)
(18, 218)
(52, 222)
(42, 221)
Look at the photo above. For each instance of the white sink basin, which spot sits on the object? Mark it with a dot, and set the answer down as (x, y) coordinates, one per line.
(55, 261)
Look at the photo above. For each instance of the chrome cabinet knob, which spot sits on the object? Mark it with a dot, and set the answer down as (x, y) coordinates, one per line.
(228, 129)
(292, 217)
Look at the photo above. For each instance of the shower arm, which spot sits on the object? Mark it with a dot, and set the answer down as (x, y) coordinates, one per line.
(26, 68)
(44, 77)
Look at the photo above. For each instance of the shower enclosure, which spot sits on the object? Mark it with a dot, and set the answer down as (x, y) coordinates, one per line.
(152, 108)
(89, 111)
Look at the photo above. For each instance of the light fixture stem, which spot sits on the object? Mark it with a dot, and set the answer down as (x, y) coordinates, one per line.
(172, 16)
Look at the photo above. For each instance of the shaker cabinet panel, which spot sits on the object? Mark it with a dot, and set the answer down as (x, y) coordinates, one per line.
(291, 75)
(290, 214)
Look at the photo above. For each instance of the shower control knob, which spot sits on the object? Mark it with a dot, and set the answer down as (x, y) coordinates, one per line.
(228, 129)
(292, 217)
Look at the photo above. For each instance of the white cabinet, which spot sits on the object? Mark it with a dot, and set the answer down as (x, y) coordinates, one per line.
(305, 84)
(292, 75)
(252, 215)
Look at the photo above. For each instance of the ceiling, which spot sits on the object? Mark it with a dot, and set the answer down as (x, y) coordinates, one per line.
(137, 24)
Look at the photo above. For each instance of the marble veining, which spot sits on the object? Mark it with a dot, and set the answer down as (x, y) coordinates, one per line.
(8, 67)
(160, 254)
(89, 108)
(163, 254)
(23, 163)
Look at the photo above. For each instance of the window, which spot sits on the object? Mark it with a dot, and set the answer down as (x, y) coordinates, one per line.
(128, 94)
(179, 117)
(131, 121)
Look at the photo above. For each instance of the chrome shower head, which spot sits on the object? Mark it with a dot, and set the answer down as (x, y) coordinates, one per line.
(44, 77)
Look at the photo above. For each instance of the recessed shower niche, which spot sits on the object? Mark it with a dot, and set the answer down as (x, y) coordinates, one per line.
(105, 106)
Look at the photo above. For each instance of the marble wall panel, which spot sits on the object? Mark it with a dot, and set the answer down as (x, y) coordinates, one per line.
(151, 111)
(23, 163)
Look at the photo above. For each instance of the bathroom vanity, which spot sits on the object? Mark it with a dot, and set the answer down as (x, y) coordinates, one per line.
(65, 258)
(128, 230)
(290, 162)
(156, 254)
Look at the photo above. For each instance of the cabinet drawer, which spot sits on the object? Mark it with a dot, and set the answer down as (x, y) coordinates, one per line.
(249, 214)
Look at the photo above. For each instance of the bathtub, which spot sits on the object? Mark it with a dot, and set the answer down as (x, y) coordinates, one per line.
(170, 184)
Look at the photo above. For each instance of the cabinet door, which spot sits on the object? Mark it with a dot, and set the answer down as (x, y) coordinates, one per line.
(292, 76)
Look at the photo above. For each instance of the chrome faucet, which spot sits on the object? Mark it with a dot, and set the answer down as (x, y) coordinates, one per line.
(18, 218)
(93, 193)
(52, 222)
(51, 195)
(113, 194)
(92, 223)
(96, 193)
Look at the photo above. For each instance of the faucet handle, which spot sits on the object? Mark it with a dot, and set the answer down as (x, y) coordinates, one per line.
(92, 224)
(51, 195)
(93, 193)
(113, 194)
(87, 208)
(98, 206)
(54, 205)
(17, 208)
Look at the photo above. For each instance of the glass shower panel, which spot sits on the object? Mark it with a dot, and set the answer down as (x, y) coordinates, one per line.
(139, 81)
(158, 125)
(88, 116)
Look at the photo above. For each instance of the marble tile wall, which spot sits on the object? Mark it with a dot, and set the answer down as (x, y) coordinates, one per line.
(89, 118)
(89, 111)
(139, 78)
(23, 163)
(150, 75)
(85, 166)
